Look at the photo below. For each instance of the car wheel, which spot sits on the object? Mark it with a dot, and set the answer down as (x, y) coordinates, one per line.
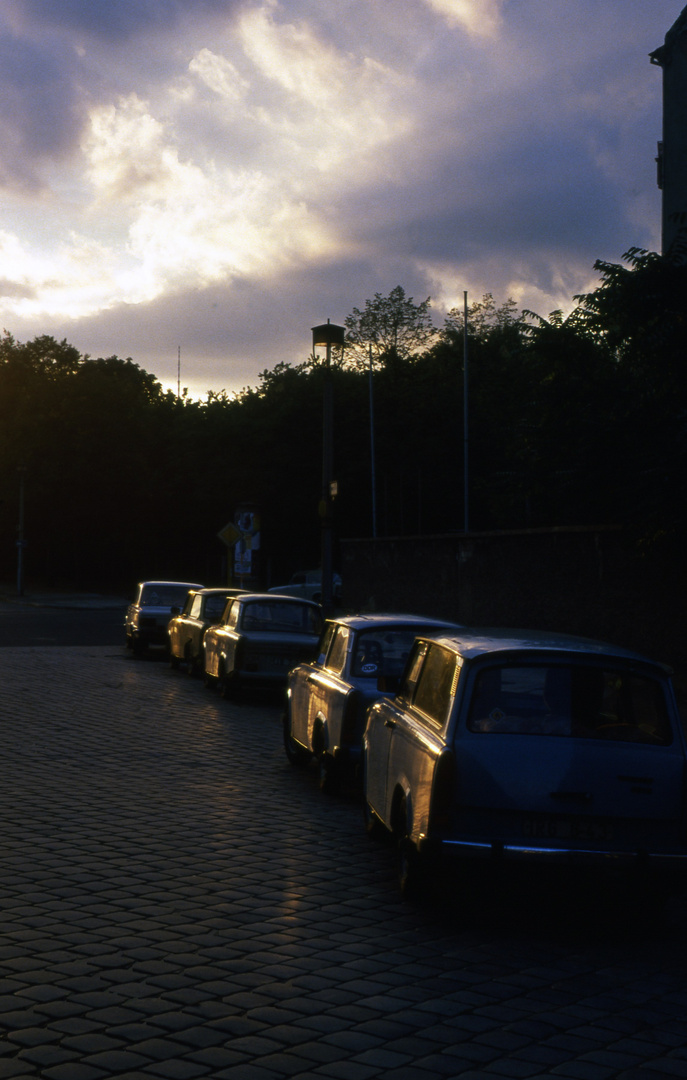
(138, 647)
(209, 680)
(373, 826)
(226, 684)
(296, 754)
(330, 776)
(173, 661)
(412, 871)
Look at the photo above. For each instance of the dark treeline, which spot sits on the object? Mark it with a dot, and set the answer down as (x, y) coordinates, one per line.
(572, 421)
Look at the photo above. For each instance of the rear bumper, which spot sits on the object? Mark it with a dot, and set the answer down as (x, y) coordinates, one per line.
(558, 854)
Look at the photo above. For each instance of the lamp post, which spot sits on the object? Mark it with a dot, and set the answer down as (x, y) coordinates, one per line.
(327, 334)
(21, 543)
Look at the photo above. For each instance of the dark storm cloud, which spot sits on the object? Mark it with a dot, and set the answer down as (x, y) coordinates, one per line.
(116, 20)
(38, 109)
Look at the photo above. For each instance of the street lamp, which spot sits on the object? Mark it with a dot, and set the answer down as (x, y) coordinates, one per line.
(327, 334)
(21, 542)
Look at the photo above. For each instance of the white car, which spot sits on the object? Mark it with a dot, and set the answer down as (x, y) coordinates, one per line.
(260, 638)
(149, 613)
(307, 585)
(531, 747)
(361, 658)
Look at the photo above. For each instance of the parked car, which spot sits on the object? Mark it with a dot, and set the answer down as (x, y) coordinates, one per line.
(147, 616)
(261, 637)
(186, 629)
(361, 657)
(533, 747)
(307, 584)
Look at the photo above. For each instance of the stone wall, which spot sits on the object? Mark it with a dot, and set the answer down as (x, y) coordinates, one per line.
(589, 581)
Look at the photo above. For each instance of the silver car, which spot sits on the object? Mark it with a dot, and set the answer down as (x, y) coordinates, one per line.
(361, 657)
(533, 747)
(260, 638)
(148, 614)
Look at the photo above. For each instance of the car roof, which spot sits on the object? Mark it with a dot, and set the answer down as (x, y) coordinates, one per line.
(277, 596)
(185, 584)
(229, 591)
(474, 644)
(393, 619)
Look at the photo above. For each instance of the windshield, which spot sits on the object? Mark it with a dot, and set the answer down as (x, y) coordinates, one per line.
(583, 701)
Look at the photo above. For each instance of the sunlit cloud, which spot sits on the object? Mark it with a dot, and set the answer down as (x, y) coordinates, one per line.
(168, 175)
(479, 17)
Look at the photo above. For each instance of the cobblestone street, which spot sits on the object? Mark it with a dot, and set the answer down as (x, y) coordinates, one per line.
(177, 901)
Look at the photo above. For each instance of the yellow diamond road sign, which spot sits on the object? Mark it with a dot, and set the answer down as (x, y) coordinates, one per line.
(230, 534)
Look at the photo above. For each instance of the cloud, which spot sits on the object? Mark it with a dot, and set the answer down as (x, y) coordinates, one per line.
(222, 175)
(111, 20)
(479, 17)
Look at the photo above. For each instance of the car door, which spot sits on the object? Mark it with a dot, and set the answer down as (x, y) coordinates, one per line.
(300, 687)
(383, 720)
(191, 613)
(213, 641)
(327, 691)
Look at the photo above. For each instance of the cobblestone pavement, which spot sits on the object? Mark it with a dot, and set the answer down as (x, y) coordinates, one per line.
(178, 902)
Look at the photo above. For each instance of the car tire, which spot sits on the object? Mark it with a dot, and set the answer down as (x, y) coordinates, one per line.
(412, 870)
(174, 661)
(373, 826)
(296, 754)
(226, 684)
(209, 681)
(330, 775)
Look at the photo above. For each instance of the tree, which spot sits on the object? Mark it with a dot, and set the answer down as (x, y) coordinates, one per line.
(390, 326)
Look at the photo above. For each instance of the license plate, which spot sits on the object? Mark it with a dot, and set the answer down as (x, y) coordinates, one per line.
(580, 829)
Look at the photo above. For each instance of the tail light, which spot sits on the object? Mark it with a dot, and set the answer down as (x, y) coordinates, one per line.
(443, 791)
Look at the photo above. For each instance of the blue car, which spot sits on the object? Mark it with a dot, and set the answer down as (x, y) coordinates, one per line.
(361, 658)
(535, 747)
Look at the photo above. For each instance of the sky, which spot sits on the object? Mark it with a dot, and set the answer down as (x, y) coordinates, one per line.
(195, 184)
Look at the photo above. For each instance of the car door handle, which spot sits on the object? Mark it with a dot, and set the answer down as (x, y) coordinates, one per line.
(390, 723)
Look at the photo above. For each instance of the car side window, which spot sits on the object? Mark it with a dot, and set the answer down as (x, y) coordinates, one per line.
(196, 606)
(412, 673)
(229, 613)
(336, 657)
(436, 684)
(325, 643)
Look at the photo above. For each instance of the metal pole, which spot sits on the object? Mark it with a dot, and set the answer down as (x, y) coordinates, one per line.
(20, 533)
(327, 589)
(466, 500)
(372, 454)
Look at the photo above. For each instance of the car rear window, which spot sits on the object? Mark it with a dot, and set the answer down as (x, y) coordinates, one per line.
(214, 607)
(586, 702)
(164, 595)
(281, 617)
(382, 652)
